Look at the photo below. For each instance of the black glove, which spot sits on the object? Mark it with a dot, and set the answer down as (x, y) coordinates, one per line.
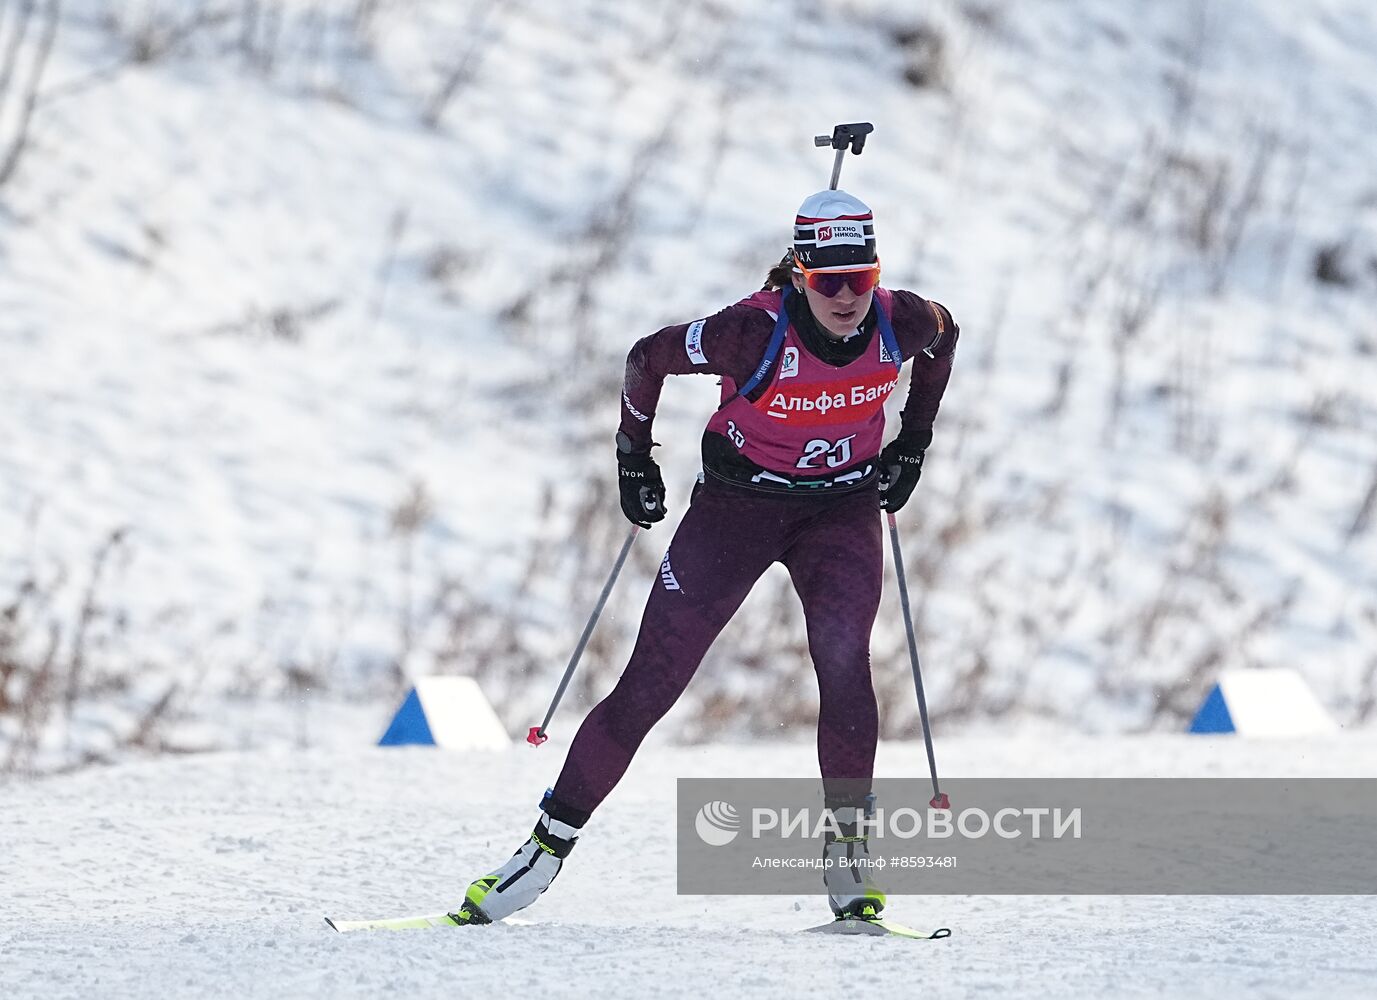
(901, 465)
(642, 489)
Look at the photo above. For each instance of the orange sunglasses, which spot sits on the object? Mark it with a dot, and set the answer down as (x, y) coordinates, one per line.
(829, 283)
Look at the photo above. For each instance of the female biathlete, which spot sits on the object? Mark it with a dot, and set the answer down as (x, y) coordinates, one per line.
(793, 472)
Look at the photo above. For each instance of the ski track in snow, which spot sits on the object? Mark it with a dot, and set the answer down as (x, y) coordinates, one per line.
(210, 875)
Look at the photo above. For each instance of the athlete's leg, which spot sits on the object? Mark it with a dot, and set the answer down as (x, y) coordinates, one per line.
(837, 565)
(724, 543)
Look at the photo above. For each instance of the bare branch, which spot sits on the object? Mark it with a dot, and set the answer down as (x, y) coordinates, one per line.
(19, 142)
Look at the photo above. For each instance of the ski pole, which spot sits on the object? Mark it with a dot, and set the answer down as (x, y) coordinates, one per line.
(850, 136)
(537, 734)
(939, 798)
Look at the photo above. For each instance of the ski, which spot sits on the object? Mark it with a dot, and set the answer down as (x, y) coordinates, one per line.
(394, 923)
(877, 928)
(424, 921)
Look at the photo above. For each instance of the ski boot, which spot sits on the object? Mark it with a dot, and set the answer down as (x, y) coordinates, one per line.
(517, 883)
(851, 889)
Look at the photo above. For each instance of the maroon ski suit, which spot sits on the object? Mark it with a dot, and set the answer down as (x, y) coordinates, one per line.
(771, 492)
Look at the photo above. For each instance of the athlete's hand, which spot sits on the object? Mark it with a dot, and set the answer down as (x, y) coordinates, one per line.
(640, 483)
(901, 466)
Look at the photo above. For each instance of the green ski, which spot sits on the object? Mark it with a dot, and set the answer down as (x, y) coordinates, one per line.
(424, 921)
(397, 923)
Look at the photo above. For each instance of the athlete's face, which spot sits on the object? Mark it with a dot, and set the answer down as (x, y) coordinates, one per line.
(840, 314)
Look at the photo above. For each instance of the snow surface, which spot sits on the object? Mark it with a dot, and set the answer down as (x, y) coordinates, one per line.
(210, 875)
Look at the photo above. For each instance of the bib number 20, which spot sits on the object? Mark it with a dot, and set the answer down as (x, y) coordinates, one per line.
(835, 453)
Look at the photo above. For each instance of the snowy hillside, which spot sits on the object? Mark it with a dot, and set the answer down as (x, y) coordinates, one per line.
(312, 314)
(210, 875)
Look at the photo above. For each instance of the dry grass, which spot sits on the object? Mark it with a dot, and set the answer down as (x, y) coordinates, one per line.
(54, 667)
